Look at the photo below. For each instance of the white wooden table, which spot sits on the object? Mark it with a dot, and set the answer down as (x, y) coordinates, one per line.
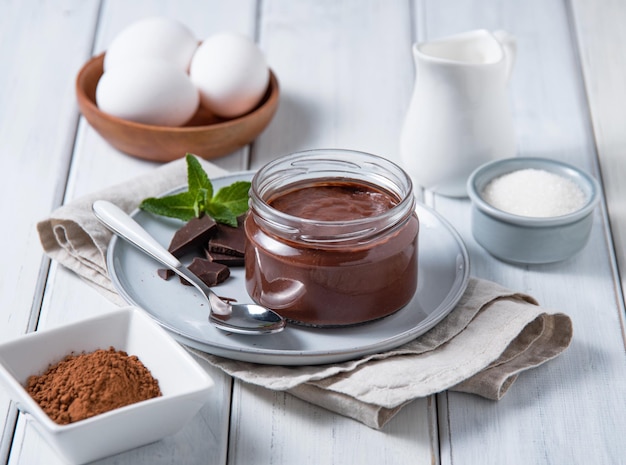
(346, 74)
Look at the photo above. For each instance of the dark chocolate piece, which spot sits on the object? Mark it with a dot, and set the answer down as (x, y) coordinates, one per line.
(193, 235)
(209, 272)
(165, 273)
(228, 260)
(228, 240)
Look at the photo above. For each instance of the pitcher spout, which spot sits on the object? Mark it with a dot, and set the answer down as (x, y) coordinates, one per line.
(473, 48)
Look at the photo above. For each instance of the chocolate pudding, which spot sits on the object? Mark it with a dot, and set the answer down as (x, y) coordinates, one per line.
(344, 256)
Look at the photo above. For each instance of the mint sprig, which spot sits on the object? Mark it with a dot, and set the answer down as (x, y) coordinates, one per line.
(225, 206)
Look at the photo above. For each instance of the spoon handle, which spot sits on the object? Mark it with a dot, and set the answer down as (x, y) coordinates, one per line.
(220, 313)
(122, 224)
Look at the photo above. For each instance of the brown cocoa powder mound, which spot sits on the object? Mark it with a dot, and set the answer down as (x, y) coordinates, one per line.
(81, 386)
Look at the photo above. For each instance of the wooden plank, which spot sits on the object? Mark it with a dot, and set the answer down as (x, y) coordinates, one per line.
(95, 165)
(38, 125)
(328, 56)
(600, 35)
(346, 73)
(288, 430)
(557, 413)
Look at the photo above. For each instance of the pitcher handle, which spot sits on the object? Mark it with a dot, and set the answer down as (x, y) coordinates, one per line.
(509, 46)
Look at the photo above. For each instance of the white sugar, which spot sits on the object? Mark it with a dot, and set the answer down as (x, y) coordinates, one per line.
(534, 192)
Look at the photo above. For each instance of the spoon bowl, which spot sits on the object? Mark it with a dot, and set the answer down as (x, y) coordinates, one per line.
(248, 319)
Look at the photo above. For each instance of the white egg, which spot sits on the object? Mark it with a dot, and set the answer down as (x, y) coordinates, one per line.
(231, 74)
(148, 91)
(154, 37)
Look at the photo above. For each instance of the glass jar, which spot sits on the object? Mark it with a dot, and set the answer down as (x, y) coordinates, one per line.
(331, 238)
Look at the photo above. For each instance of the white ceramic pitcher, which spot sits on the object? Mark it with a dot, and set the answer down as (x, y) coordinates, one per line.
(459, 116)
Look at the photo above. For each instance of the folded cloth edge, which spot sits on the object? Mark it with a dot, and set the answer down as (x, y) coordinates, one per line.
(535, 340)
(491, 383)
(374, 416)
(555, 337)
(73, 237)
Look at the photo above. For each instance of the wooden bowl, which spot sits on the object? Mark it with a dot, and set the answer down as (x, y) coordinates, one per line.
(206, 135)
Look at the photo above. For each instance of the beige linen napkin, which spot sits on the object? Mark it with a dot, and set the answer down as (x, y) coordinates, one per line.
(491, 336)
(75, 238)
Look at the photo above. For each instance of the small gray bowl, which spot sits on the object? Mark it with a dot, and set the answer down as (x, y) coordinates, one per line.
(530, 240)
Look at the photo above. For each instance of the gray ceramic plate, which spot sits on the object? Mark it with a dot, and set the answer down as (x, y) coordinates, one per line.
(443, 275)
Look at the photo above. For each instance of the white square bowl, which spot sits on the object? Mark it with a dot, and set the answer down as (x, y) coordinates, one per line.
(184, 383)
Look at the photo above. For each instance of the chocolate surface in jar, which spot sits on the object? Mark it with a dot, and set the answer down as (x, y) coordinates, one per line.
(332, 238)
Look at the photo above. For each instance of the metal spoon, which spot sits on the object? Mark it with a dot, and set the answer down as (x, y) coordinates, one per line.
(239, 318)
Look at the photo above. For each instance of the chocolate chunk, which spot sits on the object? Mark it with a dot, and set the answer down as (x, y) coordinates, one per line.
(228, 260)
(228, 240)
(165, 273)
(193, 235)
(209, 272)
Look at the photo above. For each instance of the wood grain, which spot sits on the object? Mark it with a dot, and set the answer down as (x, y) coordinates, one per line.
(548, 415)
(92, 164)
(38, 127)
(600, 35)
(346, 76)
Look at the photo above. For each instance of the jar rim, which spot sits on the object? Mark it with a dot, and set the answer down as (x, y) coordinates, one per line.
(340, 164)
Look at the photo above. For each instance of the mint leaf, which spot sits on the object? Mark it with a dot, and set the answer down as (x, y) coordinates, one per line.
(196, 177)
(179, 206)
(229, 202)
(234, 197)
(222, 214)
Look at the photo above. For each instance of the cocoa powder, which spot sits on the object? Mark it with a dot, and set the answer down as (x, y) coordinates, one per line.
(84, 385)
